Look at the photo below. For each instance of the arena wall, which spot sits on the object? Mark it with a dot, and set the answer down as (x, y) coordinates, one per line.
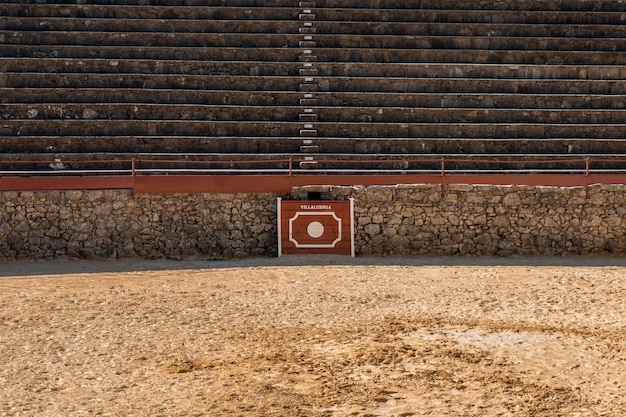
(114, 223)
(390, 220)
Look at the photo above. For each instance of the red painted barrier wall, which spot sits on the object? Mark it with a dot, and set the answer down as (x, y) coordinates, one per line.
(159, 184)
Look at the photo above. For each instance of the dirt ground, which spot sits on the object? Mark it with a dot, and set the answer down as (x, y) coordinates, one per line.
(314, 336)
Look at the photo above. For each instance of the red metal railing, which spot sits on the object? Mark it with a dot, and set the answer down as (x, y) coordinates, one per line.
(280, 175)
(287, 166)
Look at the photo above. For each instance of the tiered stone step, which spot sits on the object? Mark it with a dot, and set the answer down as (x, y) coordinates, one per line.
(356, 129)
(583, 5)
(381, 147)
(422, 27)
(148, 112)
(482, 100)
(147, 39)
(66, 143)
(84, 162)
(499, 17)
(482, 29)
(62, 66)
(475, 56)
(233, 53)
(123, 128)
(471, 70)
(179, 96)
(153, 112)
(324, 84)
(425, 146)
(170, 25)
(489, 131)
(261, 40)
(283, 11)
(465, 85)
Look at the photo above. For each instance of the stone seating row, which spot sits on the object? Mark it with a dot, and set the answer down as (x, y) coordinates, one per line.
(323, 27)
(178, 146)
(325, 69)
(371, 55)
(190, 112)
(122, 11)
(323, 84)
(326, 41)
(488, 100)
(184, 67)
(268, 27)
(576, 5)
(555, 5)
(132, 96)
(355, 129)
(159, 25)
(107, 145)
(597, 12)
(335, 77)
(150, 81)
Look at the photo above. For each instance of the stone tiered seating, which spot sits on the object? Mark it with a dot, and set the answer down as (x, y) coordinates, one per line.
(325, 79)
(184, 80)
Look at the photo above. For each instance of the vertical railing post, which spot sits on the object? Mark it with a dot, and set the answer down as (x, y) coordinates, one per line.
(291, 167)
(443, 177)
(587, 172)
(133, 163)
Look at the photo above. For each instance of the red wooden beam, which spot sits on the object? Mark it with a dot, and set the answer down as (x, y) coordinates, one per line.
(161, 184)
(284, 183)
(158, 184)
(65, 183)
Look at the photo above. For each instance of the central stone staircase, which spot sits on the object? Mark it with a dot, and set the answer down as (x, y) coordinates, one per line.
(336, 85)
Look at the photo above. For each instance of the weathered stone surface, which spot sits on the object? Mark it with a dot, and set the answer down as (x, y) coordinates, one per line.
(512, 199)
(97, 224)
(489, 220)
(372, 229)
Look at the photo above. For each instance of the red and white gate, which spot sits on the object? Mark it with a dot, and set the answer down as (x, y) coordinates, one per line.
(315, 227)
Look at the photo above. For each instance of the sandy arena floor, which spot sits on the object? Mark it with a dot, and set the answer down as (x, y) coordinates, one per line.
(301, 336)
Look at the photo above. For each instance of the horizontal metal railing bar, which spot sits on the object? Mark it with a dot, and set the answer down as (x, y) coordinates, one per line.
(319, 172)
(619, 158)
(391, 161)
(444, 166)
(212, 171)
(119, 172)
(438, 171)
(286, 156)
(57, 160)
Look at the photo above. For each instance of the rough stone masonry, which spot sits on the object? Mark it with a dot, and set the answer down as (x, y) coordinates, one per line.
(487, 220)
(389, 220)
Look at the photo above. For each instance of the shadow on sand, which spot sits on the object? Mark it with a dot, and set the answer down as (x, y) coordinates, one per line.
(69, 267)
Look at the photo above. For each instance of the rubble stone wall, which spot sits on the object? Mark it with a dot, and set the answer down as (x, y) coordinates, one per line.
(390, 220)
(113, 223)
(486, 220)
